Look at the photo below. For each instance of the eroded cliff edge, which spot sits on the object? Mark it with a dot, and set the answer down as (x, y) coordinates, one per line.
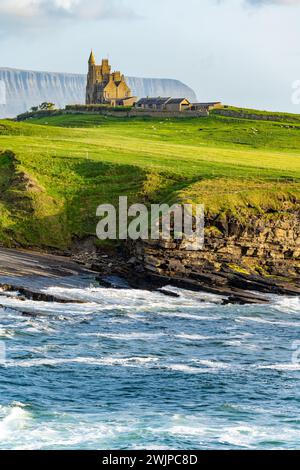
(261, 254)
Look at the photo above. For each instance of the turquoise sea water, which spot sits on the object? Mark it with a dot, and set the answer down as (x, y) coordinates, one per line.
(138, 370)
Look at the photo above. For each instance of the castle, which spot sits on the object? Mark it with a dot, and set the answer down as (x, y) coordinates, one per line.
(106, 87)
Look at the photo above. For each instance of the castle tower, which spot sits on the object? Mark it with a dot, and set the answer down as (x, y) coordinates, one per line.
(92, 60)
(106, 68)
(91, 79)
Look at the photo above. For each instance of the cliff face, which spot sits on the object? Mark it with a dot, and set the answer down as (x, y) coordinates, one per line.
(25, 89)
(260, 255)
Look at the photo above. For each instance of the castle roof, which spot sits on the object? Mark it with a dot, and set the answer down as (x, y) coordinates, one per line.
(153, 101)
(177, 100)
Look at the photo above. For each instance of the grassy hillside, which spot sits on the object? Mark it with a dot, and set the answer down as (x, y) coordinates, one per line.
(267, 115)
(55, 171)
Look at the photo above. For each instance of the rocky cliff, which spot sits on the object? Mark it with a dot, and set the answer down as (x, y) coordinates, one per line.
(261, 255)
(24, 89)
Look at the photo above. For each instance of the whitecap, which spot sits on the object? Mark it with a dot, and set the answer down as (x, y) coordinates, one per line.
(211, 364)
(105, 361)
(188, 316)
(200, 366)
(136, 298)
(295, 324)
(182, 430)
(288, 304)
(14, 420)
(192, 337)
(195, 295)
(125, 336)
(184, 368)
(281, 367)
(47, 308)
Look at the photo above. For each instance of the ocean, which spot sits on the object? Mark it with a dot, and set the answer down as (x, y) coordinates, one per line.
(132, 369)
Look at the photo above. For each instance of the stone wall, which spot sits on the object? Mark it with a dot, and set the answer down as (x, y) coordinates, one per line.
(114, 112)
(168, 114)
(132, 112)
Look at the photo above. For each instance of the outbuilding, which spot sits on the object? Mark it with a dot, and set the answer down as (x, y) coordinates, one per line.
(177, 105)
(153, 104)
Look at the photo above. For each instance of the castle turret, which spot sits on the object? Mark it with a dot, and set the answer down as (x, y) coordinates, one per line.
(91, 79)
(92, 60)
(106, 68)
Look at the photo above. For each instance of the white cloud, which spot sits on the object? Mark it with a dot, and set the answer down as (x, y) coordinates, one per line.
(19, 14)
(274, 2)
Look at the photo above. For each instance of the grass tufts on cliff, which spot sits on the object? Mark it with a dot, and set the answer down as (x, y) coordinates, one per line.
(55, 171)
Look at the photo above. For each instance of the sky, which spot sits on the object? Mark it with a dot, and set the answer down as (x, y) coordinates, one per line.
(241, 52)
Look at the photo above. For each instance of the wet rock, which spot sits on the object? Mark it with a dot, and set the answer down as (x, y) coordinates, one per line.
(27, 294)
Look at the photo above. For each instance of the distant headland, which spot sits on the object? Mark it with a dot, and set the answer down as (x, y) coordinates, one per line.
(26, 88)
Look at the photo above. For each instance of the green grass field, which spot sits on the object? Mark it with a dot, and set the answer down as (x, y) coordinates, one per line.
(63, 167)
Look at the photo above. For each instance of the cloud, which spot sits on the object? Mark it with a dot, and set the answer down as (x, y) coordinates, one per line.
(19, 14)
(273, 2)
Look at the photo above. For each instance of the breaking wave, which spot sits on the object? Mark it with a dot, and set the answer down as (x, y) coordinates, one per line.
(118, 368)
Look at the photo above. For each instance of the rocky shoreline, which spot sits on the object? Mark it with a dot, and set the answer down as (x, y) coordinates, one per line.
(243, 262)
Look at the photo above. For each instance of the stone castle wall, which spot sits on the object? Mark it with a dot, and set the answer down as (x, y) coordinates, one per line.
(132, 112)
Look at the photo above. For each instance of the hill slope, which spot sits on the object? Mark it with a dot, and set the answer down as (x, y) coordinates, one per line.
(54, 172)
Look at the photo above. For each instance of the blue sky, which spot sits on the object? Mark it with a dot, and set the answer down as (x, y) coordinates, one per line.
(243, 52)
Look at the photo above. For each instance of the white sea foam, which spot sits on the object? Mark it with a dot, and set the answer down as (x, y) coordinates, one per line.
(14, 420)
(9, 294)
(211, 364)
(105, 361)
(189, 316)
(199, 366)
(125, 336)
(252, 436)
(284, 323)
(182, 430)
(242, 345)
(47, 308)
(185, 368)
(281, 367)
(239, 435)
(131, 298)
(192, 337)
(195, 296)
(18, 430)
(133, 303)
(109, 296)
(288, 304)
(234, 343)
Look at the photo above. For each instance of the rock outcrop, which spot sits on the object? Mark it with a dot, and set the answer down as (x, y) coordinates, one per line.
(25, 89)
(262, 255)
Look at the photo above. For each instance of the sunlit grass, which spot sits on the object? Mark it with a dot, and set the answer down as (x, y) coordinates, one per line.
(81, 161)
